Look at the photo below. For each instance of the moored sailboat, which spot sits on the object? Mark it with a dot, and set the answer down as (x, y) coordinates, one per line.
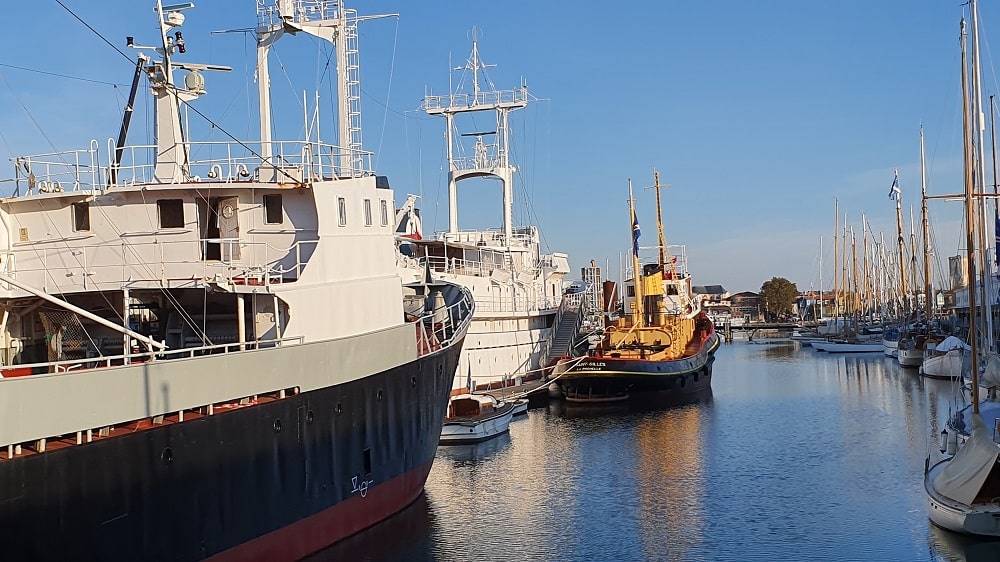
(963, 491)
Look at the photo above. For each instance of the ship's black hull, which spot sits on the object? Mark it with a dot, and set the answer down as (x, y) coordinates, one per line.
(605, 379)
(273, 481)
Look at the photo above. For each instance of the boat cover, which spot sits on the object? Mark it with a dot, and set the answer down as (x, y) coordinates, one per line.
(966, 472)
(991, 375)
(950, 343)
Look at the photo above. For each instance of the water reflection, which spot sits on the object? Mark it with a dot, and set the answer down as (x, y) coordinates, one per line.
(671, 480)
(793, 455)
(475, 452)
(404, 536)
(953, 547)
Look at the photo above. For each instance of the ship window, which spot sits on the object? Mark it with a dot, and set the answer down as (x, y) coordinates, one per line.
(342, 209)
(81, 216)
(385, 213)
(272, 209)
(368, 212)
(171, 213)
(630, 292)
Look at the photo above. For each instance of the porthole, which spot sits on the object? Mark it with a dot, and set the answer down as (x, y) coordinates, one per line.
(339, 408)
(378, 395)
(167, 455)
(413, 382)
(309, 416)
(277, 426)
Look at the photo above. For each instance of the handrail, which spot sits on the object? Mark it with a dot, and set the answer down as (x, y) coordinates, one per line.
(438, 327)
(298, 160)
(107, 360)
(267, 268)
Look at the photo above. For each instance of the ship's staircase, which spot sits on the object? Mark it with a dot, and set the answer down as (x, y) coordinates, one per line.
(565, 327)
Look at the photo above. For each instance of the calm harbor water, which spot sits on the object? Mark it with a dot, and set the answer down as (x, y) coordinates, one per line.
(796, 455)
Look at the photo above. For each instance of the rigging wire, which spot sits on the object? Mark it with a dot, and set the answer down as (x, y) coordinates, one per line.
(67, 76)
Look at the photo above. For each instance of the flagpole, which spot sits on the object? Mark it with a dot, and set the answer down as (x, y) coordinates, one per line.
(896, 193)
(638, 314)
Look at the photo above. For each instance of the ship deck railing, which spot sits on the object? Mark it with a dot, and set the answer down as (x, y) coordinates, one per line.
(494, 238)
(303, 11)
(105, 361)
(437, 328)
(482, 100)
(527, 301)
(263, 264)
(92, 169)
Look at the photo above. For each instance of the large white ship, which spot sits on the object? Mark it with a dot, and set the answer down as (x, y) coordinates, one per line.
(206, 350)
(517, 287)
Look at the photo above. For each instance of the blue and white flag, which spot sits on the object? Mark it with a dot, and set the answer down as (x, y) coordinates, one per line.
(894, 191)
(996, 246)
(635, 234)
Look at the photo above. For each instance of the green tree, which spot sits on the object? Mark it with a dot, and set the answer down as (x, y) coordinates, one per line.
(779, 295)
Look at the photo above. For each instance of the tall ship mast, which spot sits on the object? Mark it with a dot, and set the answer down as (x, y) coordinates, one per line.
(518, 287)
(208, 351)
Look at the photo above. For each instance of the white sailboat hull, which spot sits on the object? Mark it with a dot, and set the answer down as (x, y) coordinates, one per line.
(910, 357)
(979, 519)
(947, 366)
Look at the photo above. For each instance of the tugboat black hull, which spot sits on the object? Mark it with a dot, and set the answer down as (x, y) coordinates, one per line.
(607, 378)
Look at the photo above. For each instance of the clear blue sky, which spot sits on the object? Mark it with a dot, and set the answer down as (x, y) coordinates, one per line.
(758, 114)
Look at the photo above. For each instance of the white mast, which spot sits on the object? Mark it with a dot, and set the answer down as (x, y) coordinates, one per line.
(488, 160)
(331, 21)
(979, 125)
(171, 150)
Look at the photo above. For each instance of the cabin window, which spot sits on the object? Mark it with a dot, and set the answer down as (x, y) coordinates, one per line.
(272, 209)
(385, 212)
(171, 212)
(368, 212)
(81, 217)
(630, 291)
(342, 209)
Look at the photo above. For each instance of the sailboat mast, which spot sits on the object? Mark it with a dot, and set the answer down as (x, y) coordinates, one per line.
(856, 296)
(638, 315)
(928, 292)
(970, 217)
(820, 278)
(866, 282)
(836, 228)
(979, 161)
(899, 243)
(913, 259)
(847, 286)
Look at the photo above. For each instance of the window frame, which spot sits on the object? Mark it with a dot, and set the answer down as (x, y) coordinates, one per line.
(269, 208)
(161, 206)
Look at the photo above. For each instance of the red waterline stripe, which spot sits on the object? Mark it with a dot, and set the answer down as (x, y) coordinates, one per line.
(316, 532)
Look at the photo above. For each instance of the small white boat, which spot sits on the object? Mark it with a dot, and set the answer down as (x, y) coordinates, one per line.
(944, 361)
(961, 489)
(473, 418)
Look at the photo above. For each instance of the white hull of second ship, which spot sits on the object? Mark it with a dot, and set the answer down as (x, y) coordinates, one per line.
(499, 350)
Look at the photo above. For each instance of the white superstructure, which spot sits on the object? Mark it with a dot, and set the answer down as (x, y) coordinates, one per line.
(517, 288)
(116, 258)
